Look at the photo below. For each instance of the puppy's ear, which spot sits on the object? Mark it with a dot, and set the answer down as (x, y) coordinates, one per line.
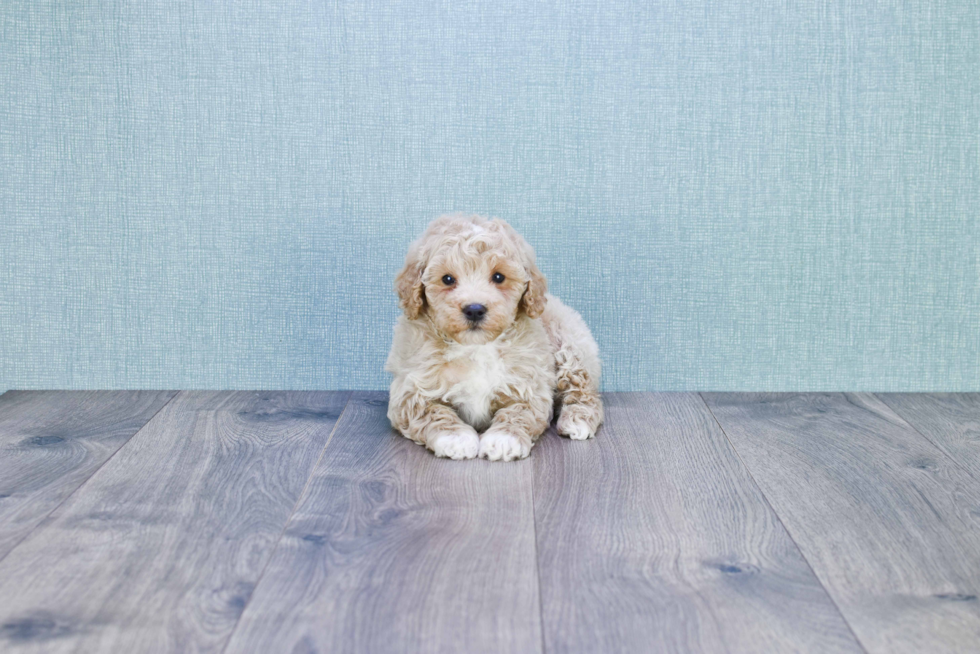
(408, 283)
(534, 301)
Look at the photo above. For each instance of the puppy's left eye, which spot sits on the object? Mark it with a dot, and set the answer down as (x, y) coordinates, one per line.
(498, 278)
(448, 280)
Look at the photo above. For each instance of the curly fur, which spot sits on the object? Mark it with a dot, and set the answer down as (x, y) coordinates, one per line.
(530, 356)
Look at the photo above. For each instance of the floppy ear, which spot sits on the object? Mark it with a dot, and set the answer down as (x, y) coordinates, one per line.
(534, 301)
(408, 283)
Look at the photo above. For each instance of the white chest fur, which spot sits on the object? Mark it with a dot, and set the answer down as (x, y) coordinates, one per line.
(479, 373)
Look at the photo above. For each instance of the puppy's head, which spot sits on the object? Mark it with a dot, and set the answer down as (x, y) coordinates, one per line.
(472, 276)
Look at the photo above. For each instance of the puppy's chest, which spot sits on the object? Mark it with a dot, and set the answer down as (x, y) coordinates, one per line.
(476, 375)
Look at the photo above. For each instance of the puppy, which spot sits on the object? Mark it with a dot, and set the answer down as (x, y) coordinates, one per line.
(481, 347)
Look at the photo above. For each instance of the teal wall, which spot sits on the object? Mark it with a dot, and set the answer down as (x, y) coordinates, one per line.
(751, 194)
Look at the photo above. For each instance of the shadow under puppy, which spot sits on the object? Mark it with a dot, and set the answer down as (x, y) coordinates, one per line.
(482, 347)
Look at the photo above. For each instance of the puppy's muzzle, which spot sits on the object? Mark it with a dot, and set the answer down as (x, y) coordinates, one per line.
(474, 312)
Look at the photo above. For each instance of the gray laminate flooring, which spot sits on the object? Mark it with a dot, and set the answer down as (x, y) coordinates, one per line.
(299, 522)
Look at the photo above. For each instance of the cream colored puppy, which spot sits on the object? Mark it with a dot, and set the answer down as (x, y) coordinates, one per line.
(482, 348)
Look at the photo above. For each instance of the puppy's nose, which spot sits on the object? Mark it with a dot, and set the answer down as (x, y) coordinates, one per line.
(474, 312)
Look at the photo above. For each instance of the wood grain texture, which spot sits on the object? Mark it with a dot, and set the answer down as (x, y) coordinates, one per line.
(161, 549)
(393, 550)
(950, 420)
(653, 537)
(52, 441)
(890, 524)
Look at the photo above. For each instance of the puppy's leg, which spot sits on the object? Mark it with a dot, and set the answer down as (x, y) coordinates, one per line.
(578, 367)
(433, 424)
(516, 427)
(581, 405)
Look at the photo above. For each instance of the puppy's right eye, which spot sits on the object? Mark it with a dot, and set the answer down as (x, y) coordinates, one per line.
(448, 280)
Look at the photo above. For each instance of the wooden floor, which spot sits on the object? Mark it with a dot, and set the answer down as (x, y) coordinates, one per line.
(299, 522)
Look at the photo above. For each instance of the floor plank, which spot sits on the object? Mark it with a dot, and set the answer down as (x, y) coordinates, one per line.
(889, 523)
(393, 550)
(950, 420)
(654, 537)
(160, 550)
(52, 441)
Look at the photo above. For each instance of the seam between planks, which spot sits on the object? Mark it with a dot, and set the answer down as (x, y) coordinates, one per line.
(289, 519)
(789, 534)
(942, 450)
(537, 557)
(87, 479)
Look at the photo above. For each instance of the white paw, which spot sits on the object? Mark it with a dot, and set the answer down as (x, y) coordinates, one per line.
(574, 426)
(456, 445)
(501, 446)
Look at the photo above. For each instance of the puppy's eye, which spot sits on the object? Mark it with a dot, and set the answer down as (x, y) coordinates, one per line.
(498, 278)
(448, 280)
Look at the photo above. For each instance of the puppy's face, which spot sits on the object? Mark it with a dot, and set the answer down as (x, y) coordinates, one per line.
(472, 292)
(471, 277)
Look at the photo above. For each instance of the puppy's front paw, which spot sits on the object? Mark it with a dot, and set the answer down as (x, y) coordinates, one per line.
(501, 446)
(576, 423)
(462, 444)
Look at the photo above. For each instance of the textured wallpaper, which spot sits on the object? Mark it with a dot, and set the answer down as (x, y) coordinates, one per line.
(736, 195)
